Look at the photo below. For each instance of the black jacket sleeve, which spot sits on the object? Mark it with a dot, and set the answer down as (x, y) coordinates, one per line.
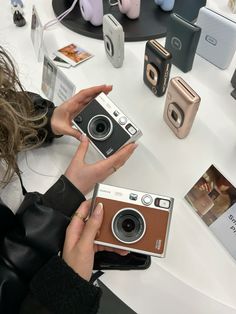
(60, 290)
(29, 245)
(34, 235)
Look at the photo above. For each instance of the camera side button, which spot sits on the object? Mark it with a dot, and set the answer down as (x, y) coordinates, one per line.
(131, 129)
(164, 203)
(146, 199)
(116, 113)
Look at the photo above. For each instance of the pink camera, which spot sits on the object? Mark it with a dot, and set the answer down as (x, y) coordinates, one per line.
(130, 7)
(92, 11)
(166, 5)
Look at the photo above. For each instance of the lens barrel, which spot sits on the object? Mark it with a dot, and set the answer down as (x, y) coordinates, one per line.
(128, 225)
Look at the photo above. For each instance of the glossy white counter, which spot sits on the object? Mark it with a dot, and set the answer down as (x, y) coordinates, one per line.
(197, 275)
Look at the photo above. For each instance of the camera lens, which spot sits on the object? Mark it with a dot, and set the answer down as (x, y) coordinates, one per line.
(108, 45)
(100, 127)
(174, 115)
(128, 225)
(152, 74)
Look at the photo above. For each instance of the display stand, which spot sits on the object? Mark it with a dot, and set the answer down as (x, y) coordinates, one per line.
(150, 24)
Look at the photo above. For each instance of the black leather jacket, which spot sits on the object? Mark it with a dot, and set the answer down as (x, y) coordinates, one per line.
(33, 278)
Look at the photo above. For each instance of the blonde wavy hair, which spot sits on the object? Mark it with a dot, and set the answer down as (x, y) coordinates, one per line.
(19, 123)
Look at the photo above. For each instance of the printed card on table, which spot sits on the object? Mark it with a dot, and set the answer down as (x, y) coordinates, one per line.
(73, 54)
(213, 198)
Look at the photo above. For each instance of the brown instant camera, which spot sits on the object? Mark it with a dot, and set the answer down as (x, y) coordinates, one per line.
(181, 106)
(133, 220)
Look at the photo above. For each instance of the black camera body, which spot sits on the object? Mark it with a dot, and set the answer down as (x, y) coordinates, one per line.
(106, 126)
(157, 65)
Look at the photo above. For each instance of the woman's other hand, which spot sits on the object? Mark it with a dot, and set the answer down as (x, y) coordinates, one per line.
(84, 176)
(79, 247)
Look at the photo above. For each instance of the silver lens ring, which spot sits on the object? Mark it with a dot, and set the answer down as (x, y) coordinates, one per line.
(100, 127)
(128, 225)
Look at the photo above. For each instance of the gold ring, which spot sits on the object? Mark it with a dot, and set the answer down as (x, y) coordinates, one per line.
(77, 214)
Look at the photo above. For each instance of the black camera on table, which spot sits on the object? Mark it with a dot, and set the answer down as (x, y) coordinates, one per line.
(107, 127)
(157, 65)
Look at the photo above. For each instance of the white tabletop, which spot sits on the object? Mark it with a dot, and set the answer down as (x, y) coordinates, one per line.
(197, 275)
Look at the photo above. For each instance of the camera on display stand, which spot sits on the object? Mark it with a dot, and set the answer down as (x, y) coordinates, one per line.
(157, 65)
(130, 7)
(181, 107)
(113, 36)
(106, 126)
(92, 11)
(133, 220)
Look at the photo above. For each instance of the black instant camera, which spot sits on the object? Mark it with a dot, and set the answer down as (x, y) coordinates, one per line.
(107, 127)
(157, 65)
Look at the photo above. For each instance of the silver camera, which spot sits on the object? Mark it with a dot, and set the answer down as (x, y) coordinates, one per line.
(133, 220)
(107, 127)
(113, 36)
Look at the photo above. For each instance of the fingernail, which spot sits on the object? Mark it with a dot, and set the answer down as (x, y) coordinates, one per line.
(125, 253)
(135, 145)
(98, 210)
(83, 137)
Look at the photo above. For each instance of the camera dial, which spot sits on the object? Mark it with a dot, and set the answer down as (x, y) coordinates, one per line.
(100, 127)
(122, 120)
(128, 225)
(146, 199)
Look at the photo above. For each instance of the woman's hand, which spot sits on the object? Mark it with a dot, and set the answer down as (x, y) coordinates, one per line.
(61, 121)
(84, 176)
(79, 247)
